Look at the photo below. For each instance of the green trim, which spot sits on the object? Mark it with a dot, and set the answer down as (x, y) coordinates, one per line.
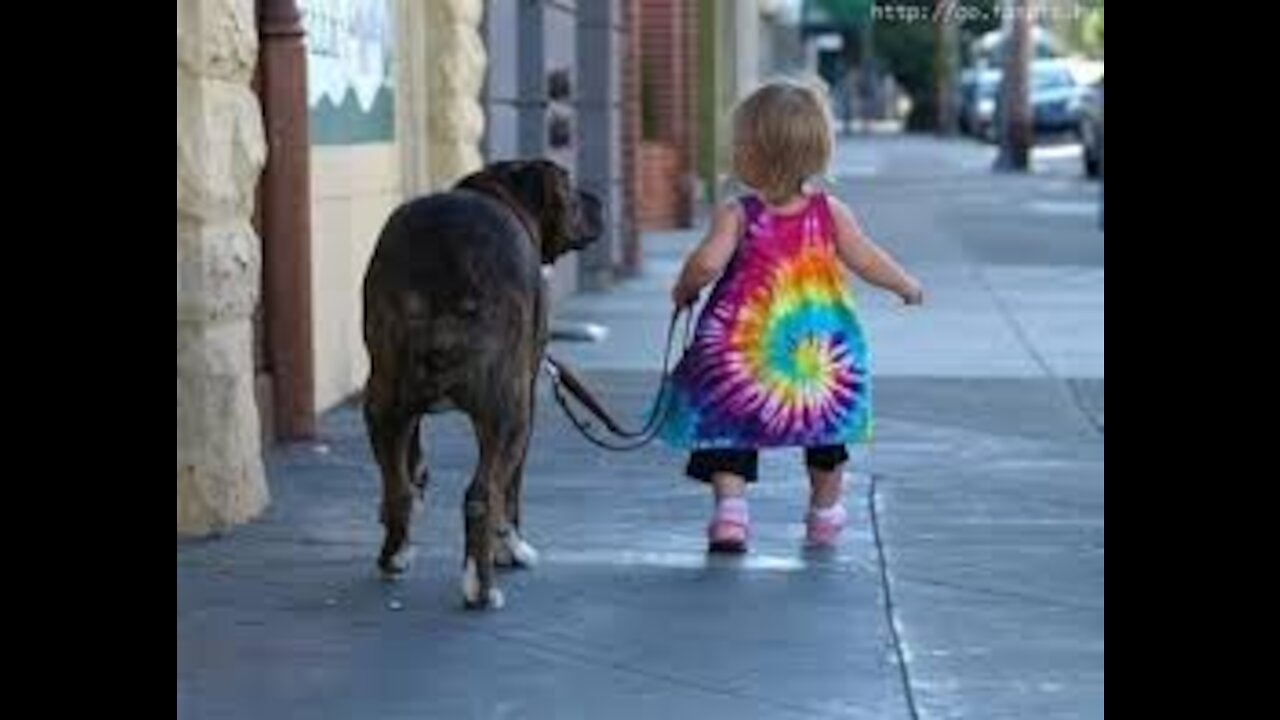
(349, 124)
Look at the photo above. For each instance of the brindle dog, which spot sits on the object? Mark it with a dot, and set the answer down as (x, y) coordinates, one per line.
(456, 319)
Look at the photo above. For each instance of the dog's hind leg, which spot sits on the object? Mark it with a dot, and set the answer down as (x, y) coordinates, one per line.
(513, 550)
(392, 430)
(503, 433)
(419, 475)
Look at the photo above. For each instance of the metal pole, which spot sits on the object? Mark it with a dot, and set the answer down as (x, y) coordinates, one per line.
(286, 219)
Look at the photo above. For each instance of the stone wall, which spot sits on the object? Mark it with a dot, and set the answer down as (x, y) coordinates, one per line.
(221, 151)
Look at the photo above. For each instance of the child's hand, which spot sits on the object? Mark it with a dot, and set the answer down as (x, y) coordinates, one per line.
(711, 258)
(913, 293)
(685, 296)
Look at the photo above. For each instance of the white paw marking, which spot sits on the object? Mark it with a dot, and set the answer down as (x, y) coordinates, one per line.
(524, 554)
(471, 583)
(471, 589)
(401, 563)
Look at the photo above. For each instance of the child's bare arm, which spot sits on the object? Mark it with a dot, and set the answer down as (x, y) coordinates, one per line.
(869, 261)
(712, 256)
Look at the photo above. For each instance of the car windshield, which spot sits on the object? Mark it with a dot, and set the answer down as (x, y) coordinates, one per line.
(1052, 80)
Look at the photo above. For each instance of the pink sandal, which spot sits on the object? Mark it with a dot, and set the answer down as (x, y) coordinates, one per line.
(825, 528)
(729, 532)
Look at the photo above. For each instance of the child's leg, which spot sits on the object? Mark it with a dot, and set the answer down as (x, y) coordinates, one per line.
(827, 488)
(730, 526)
(827, 514)
(728, 486)
(728, 472)
(826, 475)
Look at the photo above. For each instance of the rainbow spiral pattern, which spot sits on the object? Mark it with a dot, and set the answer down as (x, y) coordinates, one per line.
(779, 358)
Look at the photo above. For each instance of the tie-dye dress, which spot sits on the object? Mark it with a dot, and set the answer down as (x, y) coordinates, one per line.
(779, 358)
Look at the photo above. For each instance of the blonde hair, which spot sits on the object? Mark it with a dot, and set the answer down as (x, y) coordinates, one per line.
(782, 138)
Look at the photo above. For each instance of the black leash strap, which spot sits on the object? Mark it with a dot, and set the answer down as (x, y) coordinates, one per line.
(566, 384)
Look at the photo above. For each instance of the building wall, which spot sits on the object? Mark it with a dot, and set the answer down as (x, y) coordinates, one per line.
(366, 163)
(668, 80)
(221, 151)
(602, 46)
(729, 68)
(354, 190)
(356, 176)
(529, 40)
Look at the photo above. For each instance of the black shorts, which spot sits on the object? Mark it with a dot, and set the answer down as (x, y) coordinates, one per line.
(706, 464)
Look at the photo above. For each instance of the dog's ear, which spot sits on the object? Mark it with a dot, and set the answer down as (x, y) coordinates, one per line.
(566, 220)
(546, 192)
(589, 221)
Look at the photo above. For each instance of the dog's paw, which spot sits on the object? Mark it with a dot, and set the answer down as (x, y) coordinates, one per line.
(471, 594)
(514, 552)
(398, 565)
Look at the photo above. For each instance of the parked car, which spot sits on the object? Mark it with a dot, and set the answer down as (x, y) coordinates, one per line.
(978, 103)
(1056, 101)
(1055, 98)
(1091, 129)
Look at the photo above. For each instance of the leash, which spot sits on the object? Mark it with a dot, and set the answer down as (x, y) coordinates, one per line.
(565, 384)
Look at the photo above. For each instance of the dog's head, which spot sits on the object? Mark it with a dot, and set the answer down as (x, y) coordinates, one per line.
(567, 220)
